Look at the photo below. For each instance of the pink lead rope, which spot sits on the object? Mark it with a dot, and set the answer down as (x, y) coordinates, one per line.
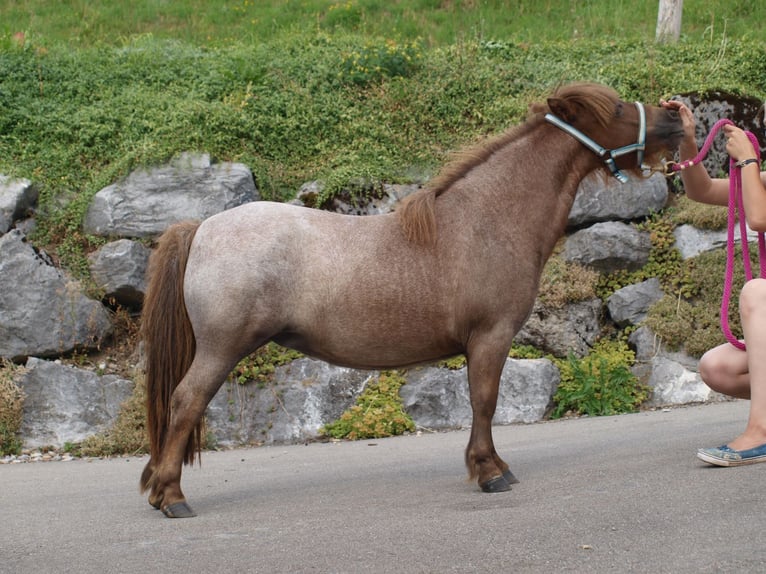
(735, 207)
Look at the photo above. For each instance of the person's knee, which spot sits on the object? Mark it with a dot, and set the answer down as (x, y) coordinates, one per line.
(713, 371)
(752, 298)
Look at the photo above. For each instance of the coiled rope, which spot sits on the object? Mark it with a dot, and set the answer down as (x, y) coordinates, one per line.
(736, 211)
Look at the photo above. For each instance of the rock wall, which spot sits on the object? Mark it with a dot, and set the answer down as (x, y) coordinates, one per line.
(46, 314)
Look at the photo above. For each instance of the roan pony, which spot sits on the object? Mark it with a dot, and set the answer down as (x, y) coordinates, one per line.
(454, 270)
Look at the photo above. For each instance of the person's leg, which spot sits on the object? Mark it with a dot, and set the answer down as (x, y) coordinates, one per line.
(724, 369)
(752, 307)
(742, 374)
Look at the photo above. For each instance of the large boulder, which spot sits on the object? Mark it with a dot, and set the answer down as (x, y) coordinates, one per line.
(672, 375)
(302, 397)
(439, 398)
(606, 199)
(149, 200)
(630, 305)
(43, 311)
(64, 404)
(609, 246)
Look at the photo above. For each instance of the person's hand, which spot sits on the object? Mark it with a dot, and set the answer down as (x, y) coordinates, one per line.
(738, 145)
(687, 118)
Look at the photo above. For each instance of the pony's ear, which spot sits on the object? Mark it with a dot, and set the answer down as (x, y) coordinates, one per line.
(563, 109)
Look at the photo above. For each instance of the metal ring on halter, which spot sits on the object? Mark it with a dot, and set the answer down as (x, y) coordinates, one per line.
(671, 169)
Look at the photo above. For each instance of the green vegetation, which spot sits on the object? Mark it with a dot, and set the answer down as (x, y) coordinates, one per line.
(258, 367)
(378, 412)
(83, 23)
(564, 282)
(600, 383)
(11, 404)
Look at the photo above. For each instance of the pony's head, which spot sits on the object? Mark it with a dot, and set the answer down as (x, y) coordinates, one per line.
(621, 134)
(625, 135)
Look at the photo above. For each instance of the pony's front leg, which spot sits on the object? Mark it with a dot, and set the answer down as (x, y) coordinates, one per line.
(484, 464)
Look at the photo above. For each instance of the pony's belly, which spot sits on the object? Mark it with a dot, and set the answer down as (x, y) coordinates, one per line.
(362, 354)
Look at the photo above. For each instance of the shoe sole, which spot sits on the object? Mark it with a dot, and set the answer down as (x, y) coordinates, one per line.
(717, 461)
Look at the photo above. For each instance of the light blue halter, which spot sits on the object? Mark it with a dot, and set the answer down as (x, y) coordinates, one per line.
(609, 155)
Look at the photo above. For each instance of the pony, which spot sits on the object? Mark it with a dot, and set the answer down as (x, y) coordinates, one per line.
(455, 269)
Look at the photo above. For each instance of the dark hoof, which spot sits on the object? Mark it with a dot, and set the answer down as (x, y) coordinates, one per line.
(508, 475)
(497, 484)
(178, 510)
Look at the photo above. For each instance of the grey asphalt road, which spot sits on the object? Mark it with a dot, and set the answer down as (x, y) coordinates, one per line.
(608, 494)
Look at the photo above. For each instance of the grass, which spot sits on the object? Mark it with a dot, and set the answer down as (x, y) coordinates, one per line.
(84, 23)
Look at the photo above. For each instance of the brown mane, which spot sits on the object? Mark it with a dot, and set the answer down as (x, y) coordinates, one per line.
(417, 216)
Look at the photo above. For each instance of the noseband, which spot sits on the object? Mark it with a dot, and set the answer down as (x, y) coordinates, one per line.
(608, 155)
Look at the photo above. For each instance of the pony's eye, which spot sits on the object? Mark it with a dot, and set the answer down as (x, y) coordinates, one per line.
(619, 110)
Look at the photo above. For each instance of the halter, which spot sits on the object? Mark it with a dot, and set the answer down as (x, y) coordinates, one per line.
(609, 155)
(735, 207)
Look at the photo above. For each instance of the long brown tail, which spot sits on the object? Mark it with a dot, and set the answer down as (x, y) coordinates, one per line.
(169, 342)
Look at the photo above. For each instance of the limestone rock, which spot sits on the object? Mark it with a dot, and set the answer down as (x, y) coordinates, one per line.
(148, 201)
(65, 404)
(17, 196)
(43, 311)
(119, 268)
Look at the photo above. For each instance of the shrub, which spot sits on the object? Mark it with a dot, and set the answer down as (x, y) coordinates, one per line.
(600, 383)
(378, 412)
(11, 404)
(690, 319)
(700, 215)
(128, 434)
(374, 62)
(259, 366)
(563, 282)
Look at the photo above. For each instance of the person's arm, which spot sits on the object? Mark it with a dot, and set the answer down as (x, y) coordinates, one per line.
(698, 184)
(740, 148)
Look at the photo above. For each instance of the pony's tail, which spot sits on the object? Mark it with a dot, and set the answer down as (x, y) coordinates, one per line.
(169, 343)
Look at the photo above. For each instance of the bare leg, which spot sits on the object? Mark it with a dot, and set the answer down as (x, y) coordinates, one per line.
(753, 312)
(742, 374)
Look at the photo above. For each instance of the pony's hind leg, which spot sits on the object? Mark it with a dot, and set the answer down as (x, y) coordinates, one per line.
(188, 403)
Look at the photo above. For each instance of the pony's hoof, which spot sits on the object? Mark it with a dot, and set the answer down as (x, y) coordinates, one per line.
(497, 484)
(178, 510)
(509, 476)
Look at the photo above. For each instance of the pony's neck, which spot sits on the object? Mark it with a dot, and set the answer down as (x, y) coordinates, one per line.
(526, 186)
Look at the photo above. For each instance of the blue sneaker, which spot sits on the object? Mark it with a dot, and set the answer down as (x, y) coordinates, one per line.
(726, 456)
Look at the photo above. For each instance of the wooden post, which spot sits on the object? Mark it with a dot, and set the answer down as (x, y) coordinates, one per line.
(669, 20)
